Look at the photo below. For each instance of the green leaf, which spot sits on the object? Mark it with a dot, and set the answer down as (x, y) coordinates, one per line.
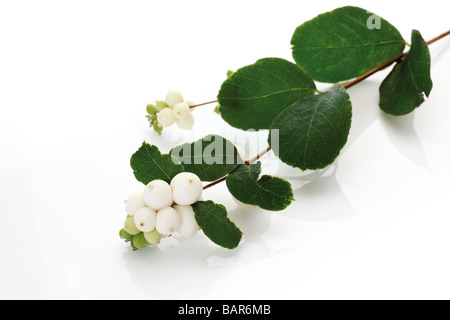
(404, 88)
(149, 164)
(342, 44)
(212, 219)
(312, 132)
(254, 95)
(267, 192)
(210, 158)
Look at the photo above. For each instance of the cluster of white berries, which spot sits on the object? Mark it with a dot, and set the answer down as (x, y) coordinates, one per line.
(175, 109)
(162, 209)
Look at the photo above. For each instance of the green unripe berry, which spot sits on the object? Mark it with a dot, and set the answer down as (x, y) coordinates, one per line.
(133, 246)
(130, 226)
(139, 241)
(157, 128)
(161, 105)
(153, 237)
(151, 109)
(125, 235)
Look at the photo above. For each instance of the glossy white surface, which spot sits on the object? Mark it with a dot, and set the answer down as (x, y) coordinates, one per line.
(75, 79)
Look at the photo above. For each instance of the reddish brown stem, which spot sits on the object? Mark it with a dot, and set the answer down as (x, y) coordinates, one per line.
(202, 104)
(253, 160)
(214, 183)
(439, 37)
(247, 163)
(387, 64)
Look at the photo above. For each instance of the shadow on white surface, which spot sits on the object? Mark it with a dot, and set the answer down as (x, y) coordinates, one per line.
(320, 197)
(188, 268)
(404, 137)
(318, 194)
(438, 51)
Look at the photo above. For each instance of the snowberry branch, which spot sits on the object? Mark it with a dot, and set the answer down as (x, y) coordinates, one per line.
(368, 74)
(346, 86)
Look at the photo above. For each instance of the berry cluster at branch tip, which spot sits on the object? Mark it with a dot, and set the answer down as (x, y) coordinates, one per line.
(175, 109)
(161, 210)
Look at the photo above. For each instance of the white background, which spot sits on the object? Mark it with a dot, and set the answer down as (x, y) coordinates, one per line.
(75, 77)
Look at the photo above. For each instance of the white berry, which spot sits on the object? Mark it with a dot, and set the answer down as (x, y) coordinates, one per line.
(190, 103)
(187, 188)
(134, 203)
(173, 97)
(188, 226)
(158, 195)
(166, 117)
(167, 221)
(181, 110)
(186, 123)
(145, 219)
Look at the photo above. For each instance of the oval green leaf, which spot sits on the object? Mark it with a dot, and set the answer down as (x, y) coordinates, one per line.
(404, 88)
(254, 95)
(312, 132)
(213, 220)
(149, 164)
(344, 44)
(269, 193)
(210, 158)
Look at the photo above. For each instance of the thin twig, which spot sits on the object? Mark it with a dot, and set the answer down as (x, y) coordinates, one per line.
(253, 160)
(387, 64)
(202, 104)
(438, 37)
(247, 163)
